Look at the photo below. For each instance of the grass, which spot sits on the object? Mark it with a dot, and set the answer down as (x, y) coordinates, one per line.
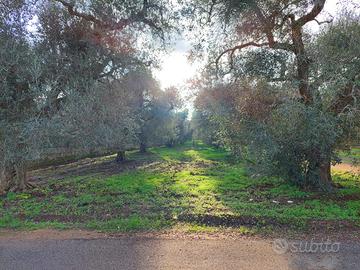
(191, 188)
(351, 156)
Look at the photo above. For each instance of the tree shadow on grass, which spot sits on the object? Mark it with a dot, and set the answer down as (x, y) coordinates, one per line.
(186, 184)
(105, 166)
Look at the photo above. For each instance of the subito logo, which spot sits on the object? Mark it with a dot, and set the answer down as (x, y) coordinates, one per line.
(280, 246)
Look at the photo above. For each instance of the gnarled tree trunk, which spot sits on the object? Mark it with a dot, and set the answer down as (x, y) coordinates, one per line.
(143, 147)
(120, 157)
(319, 175)
(5, 178)
(325, 180)
(142, 139)
(13, 177)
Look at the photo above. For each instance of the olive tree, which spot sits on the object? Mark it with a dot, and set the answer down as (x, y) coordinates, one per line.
(61, 85)
(309, 93)
(85, 114)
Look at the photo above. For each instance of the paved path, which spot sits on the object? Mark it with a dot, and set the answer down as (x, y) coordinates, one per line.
(152, 253)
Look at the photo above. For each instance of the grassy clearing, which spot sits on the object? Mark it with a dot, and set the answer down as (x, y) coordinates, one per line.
(187, 188)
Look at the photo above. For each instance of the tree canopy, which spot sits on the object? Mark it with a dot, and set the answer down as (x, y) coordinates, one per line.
(279, 96)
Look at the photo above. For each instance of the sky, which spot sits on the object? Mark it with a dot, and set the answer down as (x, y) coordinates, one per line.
(175, 69)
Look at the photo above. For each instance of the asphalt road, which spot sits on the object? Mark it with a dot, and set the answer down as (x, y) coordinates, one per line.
(150, 253)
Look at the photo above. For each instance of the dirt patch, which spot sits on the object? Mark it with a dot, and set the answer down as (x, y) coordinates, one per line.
(171, 234)
(59, 218)
(176, 233)
(38, 194)
(50, 234)
(330, 197)
(313, 227)
(336, 198)
(349, 197)
(332, 225)
(230, 220)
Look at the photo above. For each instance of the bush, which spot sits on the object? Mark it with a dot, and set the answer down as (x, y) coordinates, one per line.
(294, 142)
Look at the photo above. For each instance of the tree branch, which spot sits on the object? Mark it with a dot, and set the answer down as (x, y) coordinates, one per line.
(121, 24)
(326, 21)
(317, 8)
(346, 98)
(72, 11)
(274, 45)
(268, 28)
(239, 47)
(285, 19)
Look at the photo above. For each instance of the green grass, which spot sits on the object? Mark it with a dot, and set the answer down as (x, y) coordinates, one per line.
(197, 189)
(351, 156)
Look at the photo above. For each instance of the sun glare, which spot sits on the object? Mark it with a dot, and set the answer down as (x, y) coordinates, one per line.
(175, 70)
